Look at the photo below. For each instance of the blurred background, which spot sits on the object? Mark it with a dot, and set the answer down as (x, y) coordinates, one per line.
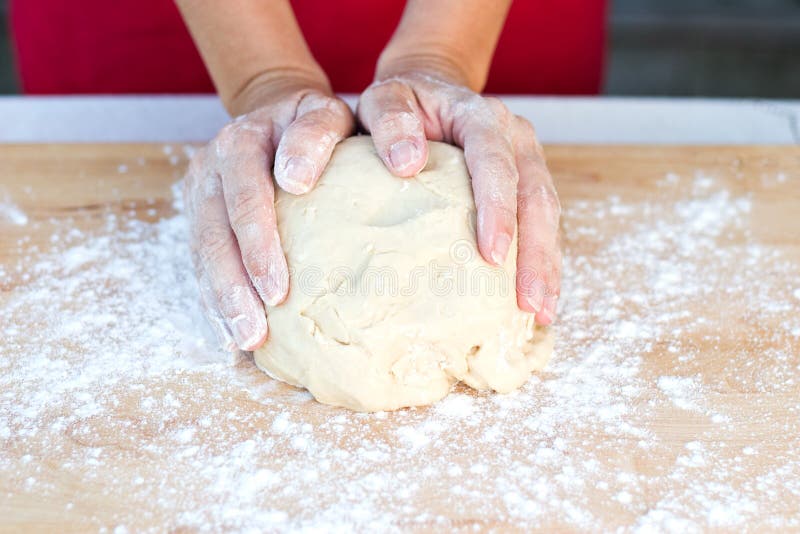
(723, 48)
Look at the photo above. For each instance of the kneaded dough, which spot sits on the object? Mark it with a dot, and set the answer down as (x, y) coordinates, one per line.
(390, 303)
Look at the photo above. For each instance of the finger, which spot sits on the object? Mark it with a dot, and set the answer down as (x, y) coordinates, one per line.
(489, 155)
(539, 254)
(307, 144)
(232, 296)
(194, 193)
(210, 311)
(250, 202)
(388, 110)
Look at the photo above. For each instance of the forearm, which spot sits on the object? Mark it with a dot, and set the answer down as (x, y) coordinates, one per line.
(454, 39)
(250, 44)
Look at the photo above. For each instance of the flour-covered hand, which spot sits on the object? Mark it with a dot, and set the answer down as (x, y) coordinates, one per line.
(510, 180)
(230, 196)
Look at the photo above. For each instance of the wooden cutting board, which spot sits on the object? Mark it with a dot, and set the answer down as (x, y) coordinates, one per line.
(672, 402)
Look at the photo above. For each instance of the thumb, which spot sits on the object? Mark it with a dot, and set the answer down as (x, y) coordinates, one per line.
(389, 111)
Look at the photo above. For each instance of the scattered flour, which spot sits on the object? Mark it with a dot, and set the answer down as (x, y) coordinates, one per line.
(682, 391)
(11, 213)
(109, 377)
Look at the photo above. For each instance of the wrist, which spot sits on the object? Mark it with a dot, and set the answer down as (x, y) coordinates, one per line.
(433, 64)
(449, 39)
(273, 85)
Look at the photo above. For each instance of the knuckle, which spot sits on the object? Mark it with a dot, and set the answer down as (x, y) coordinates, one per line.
(212, 242)
(233, 127)
(321, 104)
(492, 208)
(392, 85)
(471, 107)
(227, 132)
(495, 104)
(309, 134)
(238, 134)
(545, 198)
(396, 121)
(222, 142)
(233, 299)
(501, 165)
(525, 127)
(498, 109)
(244, 205)
(505, 214)
(339, 107)
(256, 261)
(311, 101)
(502, 204)
(332, 106)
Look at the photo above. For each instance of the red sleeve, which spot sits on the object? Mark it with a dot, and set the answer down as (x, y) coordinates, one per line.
(102, 46)
(551, 47)
(142, 46)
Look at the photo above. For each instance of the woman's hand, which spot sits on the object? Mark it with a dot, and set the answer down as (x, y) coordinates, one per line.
(229, 195)
(510, 180)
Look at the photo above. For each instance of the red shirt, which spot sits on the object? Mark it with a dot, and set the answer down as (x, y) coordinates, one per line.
(142, 46)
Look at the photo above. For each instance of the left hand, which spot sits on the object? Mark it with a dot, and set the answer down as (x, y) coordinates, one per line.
(510, 180)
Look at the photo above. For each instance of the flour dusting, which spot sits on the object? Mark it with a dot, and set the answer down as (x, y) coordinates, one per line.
(110, 380)
(10, 212)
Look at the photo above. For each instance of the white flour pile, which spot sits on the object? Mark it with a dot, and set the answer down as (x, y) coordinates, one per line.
(116, 413)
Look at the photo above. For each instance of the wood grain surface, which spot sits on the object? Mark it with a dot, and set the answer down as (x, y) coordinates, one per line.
(118, 468)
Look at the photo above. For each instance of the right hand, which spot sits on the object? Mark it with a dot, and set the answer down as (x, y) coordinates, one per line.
(229, 196)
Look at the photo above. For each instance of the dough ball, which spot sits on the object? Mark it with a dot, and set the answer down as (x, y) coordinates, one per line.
(390, 303)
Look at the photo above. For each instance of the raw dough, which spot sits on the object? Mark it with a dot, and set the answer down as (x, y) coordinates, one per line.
(390, 303)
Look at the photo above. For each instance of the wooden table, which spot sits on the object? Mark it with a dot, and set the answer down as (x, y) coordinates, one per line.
(671, 402)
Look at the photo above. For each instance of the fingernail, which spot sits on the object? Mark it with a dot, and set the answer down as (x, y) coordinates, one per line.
(245, 333)
(535, 296)
(502, 242)
(298, 173)
(224, 337)
(402, 154)
(273, 287)
(535, 302)
(548, 311)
